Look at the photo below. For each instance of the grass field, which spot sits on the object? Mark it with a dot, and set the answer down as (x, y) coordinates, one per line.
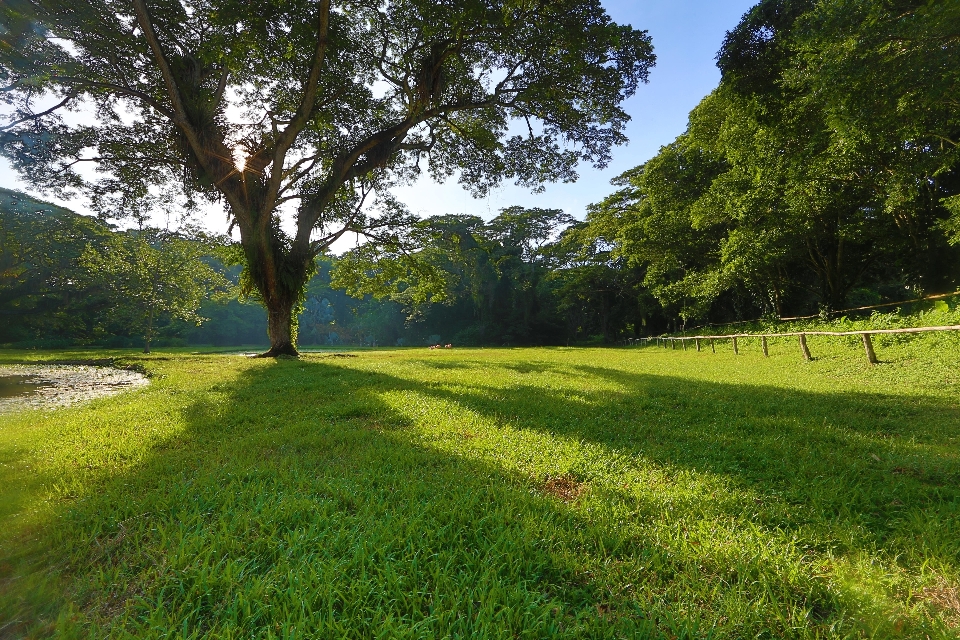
(499, 493)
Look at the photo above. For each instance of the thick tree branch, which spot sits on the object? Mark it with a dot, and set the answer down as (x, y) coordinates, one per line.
(377, 148)
(307, 101)
(180, 116)
(216, 162)
(222, 85)
(321, 244)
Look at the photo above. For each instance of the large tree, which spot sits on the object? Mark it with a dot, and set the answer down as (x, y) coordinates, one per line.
(308, 106)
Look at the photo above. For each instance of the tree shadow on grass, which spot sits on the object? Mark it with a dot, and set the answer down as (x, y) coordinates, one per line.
(882, 471)
(323, 499)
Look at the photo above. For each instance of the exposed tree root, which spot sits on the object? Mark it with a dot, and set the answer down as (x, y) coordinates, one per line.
(277, 350)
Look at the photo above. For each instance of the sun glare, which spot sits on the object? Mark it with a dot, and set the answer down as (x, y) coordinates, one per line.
(240, 159)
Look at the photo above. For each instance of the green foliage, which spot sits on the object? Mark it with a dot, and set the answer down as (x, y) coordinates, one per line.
(951, 225)
(230, 322)
(150, 273)
(56, 297)
(492, 493)
(461, 278)
(598, 293)
(826, 162)
(522, 278)
(40, 294)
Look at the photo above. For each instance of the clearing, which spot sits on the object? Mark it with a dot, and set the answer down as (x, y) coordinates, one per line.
(493, 493)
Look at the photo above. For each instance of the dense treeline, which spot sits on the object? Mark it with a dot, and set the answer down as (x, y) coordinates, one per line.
(822, 172)
(72, 279)
(40, 245)
(529, 276)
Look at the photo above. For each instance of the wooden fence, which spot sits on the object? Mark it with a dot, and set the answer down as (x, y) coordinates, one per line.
(662, 341)
(939, 296)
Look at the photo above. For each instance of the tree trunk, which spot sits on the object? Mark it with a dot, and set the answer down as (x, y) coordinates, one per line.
(280, 278)
(148, 335)
(280, 330)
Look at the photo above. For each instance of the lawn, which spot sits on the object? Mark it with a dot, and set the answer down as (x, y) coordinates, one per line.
(494, 493)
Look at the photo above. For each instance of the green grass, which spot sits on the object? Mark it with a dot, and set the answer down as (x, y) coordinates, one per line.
(413, 494)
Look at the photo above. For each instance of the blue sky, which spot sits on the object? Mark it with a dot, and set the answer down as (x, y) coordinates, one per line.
(686, 36)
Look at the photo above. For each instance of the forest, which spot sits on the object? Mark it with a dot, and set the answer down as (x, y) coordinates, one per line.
(822, 173)
(526, 277)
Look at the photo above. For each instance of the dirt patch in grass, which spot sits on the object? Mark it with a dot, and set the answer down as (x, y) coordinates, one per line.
(563, 487)
(945, 597)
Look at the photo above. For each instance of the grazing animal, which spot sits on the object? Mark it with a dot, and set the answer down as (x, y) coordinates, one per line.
(449, 346)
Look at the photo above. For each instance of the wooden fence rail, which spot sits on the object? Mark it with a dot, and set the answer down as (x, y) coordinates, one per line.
(864, 334)
(939, 296)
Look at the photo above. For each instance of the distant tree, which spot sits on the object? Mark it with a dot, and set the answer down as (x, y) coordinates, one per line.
(489, 276)
(338, 100)
(149, 274)
(40, 293)
(596, 291)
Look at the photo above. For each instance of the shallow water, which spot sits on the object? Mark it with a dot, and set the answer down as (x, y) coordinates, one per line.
(49, 386)
(15, 386)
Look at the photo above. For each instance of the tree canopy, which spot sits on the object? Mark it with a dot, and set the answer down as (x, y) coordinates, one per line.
(310, 107)
(150, 273)
(69, 279)
(39, 247)
(824, 167)
(527, 277)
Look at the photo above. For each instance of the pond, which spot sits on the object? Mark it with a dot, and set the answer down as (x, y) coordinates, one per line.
(49, 386)
(15, 386)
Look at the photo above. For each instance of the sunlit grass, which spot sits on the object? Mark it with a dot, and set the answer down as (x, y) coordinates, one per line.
(494, 493)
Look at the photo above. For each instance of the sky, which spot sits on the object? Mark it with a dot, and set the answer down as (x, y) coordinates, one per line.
(686, 36)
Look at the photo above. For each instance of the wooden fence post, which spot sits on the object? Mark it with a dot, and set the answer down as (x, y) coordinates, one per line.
(868, 347)
(736, 349)
(766, 351)
(673, 344)
(698, 345)
(712, 346)
(803, 347)
(683, 343)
